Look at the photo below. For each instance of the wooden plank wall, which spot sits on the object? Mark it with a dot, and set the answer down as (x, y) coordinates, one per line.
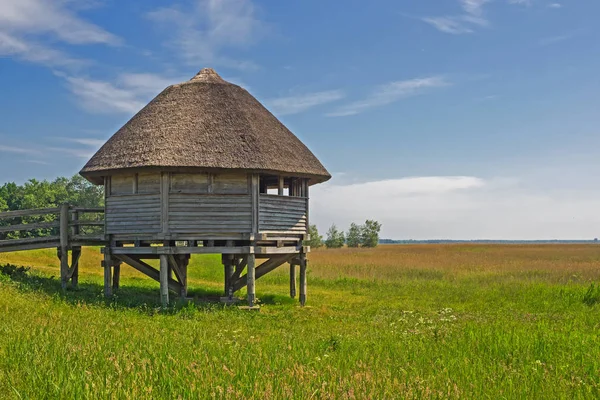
(193, 213)
(282, 213)
(133, 213)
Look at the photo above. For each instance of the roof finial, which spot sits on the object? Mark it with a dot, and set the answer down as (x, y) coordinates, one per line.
(207, 75)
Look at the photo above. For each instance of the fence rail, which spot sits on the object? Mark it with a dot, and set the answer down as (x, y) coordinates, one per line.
(63, 227)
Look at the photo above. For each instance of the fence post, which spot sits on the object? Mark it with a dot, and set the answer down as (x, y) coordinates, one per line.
(64, 244)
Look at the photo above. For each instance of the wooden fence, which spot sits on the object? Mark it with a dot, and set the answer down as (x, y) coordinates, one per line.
(63, 227)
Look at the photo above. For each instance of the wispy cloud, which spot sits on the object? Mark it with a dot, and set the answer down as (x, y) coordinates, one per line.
(127, 94)
(86, 141)
(29, 51)
(302, 102)
(29, 30)
(527, 3)
(19, 150)
(460, 24)
(555, 5)
(560, 38)
(390, 93)
(79, 153)
(473, 17)
(205, 29)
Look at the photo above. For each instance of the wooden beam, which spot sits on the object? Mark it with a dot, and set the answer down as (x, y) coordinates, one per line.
(147, 270)
(280, 185)
(183, 250)
(250, 279)
(261, 270)
(303, 279)
(183, 266)
(164, 280)
(28, 227)
(64, 245)
(116, 280)
(26, 213)
(255, 199)
(164, 202)
(292, 280)
(107, 264)
(175, 267)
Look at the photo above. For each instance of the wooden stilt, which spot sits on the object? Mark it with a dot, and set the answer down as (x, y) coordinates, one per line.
(107, 264)
(75, 255)
(164, 280)
(302, 279)
(64, 245)
(228, 266)
(116, 278)
(292, 280)
(183, 266)
(250, 280)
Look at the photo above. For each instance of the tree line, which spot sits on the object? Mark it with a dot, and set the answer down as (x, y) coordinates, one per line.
(365, 235)
(76, 191)
(34, 193)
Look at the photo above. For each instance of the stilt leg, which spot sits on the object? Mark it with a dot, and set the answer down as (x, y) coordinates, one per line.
(292, 280)
(64, 267)
(116, 278)
(107, 264)
(250, 280)
(75, 255)
(302, 279)
(183, 265)
(228, 266)
(164, 280)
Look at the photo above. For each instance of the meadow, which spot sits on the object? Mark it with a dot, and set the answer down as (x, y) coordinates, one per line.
(397, 321)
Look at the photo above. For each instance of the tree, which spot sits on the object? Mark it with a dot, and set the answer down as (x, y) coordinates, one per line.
(370, 233)
(315, 240)
(335, 238)
(354, 235)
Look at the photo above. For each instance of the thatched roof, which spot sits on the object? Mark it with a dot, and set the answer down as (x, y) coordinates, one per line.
(205, 123)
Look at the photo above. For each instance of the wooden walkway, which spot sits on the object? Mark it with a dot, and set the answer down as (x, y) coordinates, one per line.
(44, 228)
(65, 228)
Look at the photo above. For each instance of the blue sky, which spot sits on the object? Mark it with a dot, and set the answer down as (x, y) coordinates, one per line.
(442, 119)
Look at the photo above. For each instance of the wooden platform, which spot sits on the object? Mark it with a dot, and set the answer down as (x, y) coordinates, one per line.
(68, 229)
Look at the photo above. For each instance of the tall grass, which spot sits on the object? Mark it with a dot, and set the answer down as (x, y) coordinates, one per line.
(435, 321)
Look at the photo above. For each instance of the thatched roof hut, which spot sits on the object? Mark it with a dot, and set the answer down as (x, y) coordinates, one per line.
(205, 123)
(205, 168)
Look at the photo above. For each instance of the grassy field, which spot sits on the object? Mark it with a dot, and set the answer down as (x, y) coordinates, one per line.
(417, 321)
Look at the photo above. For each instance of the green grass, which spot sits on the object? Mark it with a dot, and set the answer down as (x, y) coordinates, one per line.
(394, 322)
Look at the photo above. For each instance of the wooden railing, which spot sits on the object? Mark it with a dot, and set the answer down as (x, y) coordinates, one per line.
(63, 226)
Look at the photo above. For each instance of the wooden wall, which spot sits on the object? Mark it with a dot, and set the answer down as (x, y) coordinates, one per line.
(201, 203)
(190, 213)
(282, 213)
(133, 214)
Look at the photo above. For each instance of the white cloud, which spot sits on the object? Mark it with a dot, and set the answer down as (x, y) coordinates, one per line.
(32, 52)
(453, 25)
(79, 153)
(303, 102)
(390, 93)
(19, 150)
(526, 3)
(202, 32)
(86, 141)
(128, 94)
(29, 30)
(458, 208)
(474, 7)
(555, 5)
(473, 16)
(51, 17)
(104, 97)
